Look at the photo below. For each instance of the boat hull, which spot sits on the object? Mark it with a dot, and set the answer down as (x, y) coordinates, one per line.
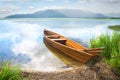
(77, 55)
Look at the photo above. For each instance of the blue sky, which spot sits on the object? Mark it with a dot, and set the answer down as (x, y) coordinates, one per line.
(8, 7)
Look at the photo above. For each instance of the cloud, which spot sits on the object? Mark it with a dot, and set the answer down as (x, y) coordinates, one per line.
(30, 6)
(66, 1)
(113, 1)
(82, 1)
(13, 8)
(4, 13)
(27, 45)
(34, 9)
(9, 0)
(23, 36)
(21, 1)
(49, 0)
(77, 1)
(100, 1)
(105, 1)
(7, 10)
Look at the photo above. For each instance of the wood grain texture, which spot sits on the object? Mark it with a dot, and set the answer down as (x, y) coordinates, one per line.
(70, 47)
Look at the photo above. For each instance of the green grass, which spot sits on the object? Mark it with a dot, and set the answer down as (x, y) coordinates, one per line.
(10, 72)
(111, 51)
(114, 27)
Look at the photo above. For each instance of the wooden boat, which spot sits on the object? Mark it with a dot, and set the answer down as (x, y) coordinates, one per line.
(70, 47)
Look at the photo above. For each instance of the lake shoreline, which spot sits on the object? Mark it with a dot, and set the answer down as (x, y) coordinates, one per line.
(100, 71)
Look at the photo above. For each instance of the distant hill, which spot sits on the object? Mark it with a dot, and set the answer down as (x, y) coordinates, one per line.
(60, 13)
(114, 15)
(80, 13)
(39, 14)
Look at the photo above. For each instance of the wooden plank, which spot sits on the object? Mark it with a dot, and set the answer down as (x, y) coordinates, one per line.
(53, 36)
(60, 40)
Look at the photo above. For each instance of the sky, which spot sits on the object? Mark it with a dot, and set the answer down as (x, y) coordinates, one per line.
(8, 7)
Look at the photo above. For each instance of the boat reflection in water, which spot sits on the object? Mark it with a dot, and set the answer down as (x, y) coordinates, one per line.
(63, 57)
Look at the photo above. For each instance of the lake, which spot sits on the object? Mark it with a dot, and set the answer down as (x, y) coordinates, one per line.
(21, 40)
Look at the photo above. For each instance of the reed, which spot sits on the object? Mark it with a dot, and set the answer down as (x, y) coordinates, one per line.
(111, 51)
(102, 41)
(10, 72)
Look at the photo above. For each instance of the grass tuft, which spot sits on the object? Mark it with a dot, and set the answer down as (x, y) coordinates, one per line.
(111, 52)
(10, 72)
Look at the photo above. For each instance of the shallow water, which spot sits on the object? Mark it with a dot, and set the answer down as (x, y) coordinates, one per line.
(21, 40)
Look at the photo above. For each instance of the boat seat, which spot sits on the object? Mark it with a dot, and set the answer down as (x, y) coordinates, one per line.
(60, 40)
(53, 36)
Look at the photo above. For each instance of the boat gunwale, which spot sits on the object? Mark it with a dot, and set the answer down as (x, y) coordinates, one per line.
(69, 46)
(63, 37)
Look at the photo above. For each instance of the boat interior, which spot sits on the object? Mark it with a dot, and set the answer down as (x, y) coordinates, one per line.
(55, 37)
(62, 40)
(58, 39)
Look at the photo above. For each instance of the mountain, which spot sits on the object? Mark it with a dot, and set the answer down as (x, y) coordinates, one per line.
(80, 13)
(60, 13)
(114, 15)
(39, 14)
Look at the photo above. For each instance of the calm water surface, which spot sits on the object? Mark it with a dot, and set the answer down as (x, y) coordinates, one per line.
(21, 40)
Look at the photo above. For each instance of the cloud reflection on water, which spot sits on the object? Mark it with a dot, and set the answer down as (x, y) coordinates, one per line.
(23, 44)
(22, 40)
